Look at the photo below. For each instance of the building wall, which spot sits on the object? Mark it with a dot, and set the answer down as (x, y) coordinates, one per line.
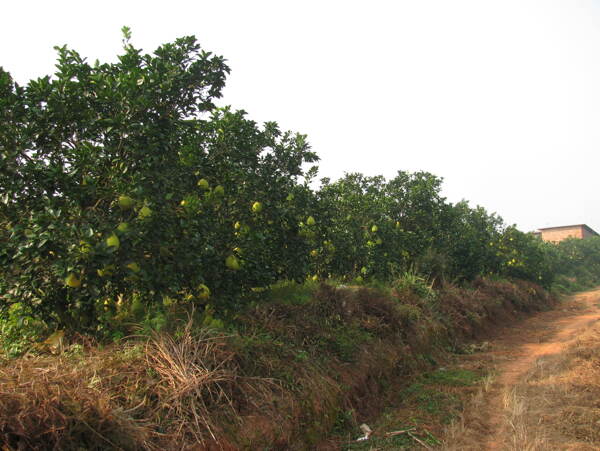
(557, 235)
(587, 233)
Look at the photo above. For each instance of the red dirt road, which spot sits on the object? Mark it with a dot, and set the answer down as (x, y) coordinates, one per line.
(512, 356)
(545, 334)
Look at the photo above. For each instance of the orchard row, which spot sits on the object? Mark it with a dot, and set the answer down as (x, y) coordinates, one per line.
(124, 181)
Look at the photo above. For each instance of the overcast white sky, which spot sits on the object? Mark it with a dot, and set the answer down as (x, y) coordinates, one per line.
(500, 98)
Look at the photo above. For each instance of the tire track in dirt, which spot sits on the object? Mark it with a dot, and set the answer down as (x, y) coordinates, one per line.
(520, 346)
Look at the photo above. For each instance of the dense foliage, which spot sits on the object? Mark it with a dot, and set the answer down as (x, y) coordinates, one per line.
(124, 188)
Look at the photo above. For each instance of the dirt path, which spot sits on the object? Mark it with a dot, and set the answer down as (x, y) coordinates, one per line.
(513, 355)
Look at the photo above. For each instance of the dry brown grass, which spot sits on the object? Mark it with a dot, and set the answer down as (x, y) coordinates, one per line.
(165, 394)
(194, 374)
(563, 393)
(464, 432)
(470, 430)
(57, 403)
(199, 386)
(522, 436)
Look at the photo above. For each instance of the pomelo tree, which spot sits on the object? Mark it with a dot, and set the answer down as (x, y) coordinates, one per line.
(124, 181)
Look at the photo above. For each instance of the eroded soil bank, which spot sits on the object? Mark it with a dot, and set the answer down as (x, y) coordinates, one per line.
(299, 367)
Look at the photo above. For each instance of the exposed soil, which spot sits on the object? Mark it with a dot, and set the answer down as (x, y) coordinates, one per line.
(493, 419)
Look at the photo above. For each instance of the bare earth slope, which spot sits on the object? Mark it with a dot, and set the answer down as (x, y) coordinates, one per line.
(538, 388)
